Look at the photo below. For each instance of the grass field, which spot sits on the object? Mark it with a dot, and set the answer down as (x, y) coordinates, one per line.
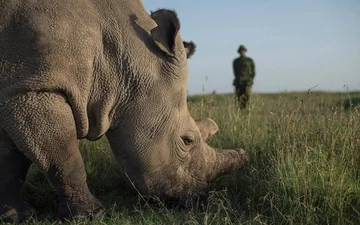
(305, 167)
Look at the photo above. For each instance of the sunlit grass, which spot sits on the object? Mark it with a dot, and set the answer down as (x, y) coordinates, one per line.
(305, 167)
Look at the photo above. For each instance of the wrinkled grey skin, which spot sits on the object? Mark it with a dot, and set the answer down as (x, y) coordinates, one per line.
(81, 69)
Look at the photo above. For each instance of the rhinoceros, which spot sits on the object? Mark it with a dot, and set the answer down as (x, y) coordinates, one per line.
(82, 69)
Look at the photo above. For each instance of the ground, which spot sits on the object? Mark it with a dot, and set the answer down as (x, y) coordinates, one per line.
(305, 166)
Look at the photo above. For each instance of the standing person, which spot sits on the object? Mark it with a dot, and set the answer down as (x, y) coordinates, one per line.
(244, 72)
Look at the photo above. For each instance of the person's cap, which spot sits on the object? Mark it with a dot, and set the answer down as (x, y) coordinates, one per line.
(242, 47)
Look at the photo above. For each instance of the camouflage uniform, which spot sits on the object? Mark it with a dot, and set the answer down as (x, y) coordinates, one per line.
(244, 72)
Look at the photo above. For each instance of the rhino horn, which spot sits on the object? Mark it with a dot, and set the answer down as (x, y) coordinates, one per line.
(207, 128)
(227, 161)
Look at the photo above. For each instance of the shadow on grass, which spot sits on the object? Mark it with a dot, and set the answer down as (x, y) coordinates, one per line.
(109, 188)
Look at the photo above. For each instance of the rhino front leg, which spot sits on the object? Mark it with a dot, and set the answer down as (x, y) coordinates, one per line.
(13, 169)
(68, 176)
(43, 128)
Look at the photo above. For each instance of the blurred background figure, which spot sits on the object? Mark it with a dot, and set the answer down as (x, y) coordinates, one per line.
(244, 72)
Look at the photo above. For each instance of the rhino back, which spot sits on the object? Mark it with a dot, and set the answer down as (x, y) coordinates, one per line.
(68, 47)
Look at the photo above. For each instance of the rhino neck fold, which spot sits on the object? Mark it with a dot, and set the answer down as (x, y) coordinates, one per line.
(121, 56)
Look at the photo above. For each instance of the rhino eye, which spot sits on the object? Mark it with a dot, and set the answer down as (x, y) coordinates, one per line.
(187, 140)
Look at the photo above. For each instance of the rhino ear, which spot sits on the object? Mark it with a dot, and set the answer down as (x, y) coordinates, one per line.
(190, 48)
(207, 128)
(165, 33)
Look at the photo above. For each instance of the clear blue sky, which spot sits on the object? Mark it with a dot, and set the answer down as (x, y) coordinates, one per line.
(295, 44)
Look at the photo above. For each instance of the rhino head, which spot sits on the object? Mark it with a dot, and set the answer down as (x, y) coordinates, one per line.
(162, 150)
